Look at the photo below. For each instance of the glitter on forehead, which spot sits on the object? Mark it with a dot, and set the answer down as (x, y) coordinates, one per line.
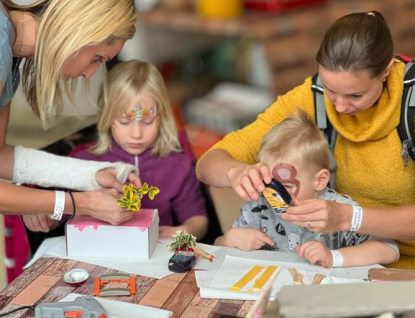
(139, 113)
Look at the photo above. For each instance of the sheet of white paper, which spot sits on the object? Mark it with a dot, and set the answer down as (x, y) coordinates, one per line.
(340, 280)
(234, 268)
(155, 267)
(44, 248)
(119, 309)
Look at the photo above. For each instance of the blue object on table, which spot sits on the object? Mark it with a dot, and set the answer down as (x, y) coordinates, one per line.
(182, 261)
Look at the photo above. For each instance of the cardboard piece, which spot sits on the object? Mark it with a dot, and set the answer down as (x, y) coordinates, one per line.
(135, 238)
(390, 274)
(346, 300)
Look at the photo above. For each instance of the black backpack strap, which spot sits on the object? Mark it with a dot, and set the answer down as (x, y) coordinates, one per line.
(319, 107)
(406, 127)
(323, 123)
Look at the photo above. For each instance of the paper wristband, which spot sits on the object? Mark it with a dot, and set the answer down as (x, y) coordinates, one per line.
(337, 258)
(357, 218)
(59, 205)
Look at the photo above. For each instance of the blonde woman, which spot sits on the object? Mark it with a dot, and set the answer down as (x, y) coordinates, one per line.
(60, 41)
(136, 126)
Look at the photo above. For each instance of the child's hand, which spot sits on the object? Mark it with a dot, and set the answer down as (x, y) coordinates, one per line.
(316, 252)
(166, 232)
(247, 239)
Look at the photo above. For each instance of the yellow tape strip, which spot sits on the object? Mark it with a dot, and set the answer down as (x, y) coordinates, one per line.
(247, 278)
(260, 282)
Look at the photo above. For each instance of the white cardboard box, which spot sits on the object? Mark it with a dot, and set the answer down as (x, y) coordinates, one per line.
(135, 238)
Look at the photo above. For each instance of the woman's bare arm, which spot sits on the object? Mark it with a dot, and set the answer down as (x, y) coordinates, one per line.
(328, 216)
(218, 169)
(215, 166)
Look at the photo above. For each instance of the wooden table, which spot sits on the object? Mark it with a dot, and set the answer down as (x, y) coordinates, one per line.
(42, 282)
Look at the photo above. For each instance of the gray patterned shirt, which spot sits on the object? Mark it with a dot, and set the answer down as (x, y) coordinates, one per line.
(259, 215)
(9, 77)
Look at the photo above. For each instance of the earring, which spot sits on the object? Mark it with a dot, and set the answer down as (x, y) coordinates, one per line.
(384, 79)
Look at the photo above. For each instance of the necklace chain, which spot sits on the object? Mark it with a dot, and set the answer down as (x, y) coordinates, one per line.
(15, 72)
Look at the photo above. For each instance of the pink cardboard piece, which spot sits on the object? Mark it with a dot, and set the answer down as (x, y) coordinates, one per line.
(135, 238)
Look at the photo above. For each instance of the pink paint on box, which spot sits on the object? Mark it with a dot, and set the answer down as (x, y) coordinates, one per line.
(141, 220)
(135, 238)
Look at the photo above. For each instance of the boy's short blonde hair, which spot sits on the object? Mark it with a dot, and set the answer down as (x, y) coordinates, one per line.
(126, 80)
(296, 138)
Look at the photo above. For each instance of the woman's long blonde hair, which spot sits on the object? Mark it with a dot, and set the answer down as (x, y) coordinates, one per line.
(64, 28)
(125, 82)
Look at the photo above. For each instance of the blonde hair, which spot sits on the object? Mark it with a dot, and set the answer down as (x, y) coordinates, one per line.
(64, 28)
(125, 81)
(296, 138)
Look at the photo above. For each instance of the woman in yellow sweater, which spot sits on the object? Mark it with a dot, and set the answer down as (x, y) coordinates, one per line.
(363, 85)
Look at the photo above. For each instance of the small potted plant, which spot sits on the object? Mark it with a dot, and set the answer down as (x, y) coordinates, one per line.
(187, 242)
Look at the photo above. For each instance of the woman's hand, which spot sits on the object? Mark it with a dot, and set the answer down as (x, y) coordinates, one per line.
(101, 204)
(316, 253)
(39, 222)
(218, 169)
(248, 180)
(320, 216)
(107, 178)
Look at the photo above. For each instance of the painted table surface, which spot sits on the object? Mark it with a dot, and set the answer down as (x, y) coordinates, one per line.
(42, 282)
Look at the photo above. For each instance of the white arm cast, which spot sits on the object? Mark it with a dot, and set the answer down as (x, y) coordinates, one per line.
(47, 170)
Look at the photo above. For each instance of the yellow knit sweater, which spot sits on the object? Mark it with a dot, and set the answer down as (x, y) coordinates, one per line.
(370, 168)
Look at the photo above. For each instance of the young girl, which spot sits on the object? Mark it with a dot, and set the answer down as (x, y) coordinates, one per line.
(136, 126)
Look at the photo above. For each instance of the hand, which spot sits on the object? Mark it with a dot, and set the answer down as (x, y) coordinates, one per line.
(248, 180)
(166, 232)
(39, 222)
(324, 216)
(316, 252)
(101, 204)
(247, 239)
(134, 179)
(107, 178)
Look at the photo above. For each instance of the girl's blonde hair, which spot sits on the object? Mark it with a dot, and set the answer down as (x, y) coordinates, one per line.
(296, 138)
(126, 80)
(64, 28)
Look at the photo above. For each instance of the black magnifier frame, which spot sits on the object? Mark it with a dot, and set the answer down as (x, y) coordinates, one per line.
(281, 190)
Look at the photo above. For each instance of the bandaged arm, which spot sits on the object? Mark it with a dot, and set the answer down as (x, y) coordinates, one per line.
(47, 170)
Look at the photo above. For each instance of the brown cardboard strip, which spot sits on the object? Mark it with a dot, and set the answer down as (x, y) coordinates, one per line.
(391, 274)
(297, 277)
(32, 293)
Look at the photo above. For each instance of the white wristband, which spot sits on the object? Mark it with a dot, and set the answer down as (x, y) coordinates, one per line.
(337, 258)
(59, 205)
(357, 218)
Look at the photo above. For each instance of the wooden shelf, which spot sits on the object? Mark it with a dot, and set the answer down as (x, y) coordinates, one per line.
(257, 25)
(291, 39)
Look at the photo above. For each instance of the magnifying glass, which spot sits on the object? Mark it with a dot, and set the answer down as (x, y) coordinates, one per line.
(277, 196)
